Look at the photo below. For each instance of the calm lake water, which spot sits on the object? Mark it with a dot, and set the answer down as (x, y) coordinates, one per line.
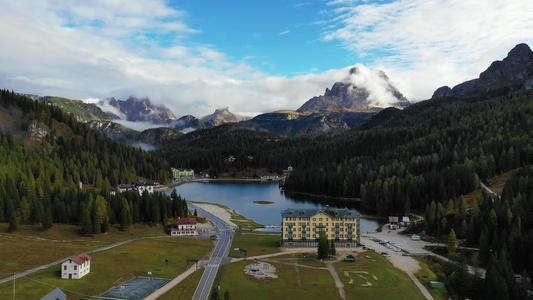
(241, 197)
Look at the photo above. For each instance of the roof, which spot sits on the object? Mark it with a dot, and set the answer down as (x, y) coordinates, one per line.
(332, 212)
(56, 294)
(186, 221)
(146, 183)
(125, 186)
(81, 258)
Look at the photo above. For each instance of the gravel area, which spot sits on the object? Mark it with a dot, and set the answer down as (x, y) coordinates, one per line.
(218, 211)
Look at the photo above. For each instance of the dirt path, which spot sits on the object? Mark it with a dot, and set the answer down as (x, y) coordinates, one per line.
(337, 279)
(298, 278)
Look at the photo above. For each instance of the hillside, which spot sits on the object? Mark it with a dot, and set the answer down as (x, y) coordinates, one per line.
(45, 152)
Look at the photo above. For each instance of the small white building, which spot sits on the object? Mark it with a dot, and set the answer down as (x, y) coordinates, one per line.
(146, 185)
(76, 267)
(184, 226)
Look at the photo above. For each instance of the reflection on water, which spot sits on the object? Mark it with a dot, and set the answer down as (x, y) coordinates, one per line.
(241, 196)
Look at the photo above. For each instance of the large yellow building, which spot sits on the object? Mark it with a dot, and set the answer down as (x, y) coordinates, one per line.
(182, 174)
(301, 227)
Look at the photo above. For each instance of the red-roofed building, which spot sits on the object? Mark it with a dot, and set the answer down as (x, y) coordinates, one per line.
(184, 226)
(76, 267)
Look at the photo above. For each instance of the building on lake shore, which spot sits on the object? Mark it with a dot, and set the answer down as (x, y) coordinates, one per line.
(182, 174)
(301, 227)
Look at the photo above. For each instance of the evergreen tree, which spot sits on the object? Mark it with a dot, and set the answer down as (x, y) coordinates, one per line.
(323, 245)
(47, 220)
(227, 295)
(332, 249)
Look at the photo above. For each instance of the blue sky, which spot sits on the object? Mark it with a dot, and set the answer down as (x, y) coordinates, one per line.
(249, 55)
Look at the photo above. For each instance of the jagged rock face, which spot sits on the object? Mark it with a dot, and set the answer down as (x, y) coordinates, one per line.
(347, 95)
(156, 136)
(142, 110)
(188, 123)
(114, 131)
(512, 74)
(37, 131)
(222, 116)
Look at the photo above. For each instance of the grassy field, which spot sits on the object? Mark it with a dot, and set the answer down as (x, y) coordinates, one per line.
(242, 286)
(391, 283)
(255, 244)
(185, 290)
(311, 279)
(425, 275)
(30, 246)
(112, 267)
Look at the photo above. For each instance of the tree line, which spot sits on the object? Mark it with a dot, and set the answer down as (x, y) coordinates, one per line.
(38, 184)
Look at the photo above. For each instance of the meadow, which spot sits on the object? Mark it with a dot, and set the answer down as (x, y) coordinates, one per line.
(112, 267)
(303, 277)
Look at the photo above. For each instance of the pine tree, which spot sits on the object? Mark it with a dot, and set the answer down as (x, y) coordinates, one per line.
(323, 245)
(333, 251)
(48, 221)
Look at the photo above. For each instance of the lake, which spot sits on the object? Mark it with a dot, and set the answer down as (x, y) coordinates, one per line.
(241, 197)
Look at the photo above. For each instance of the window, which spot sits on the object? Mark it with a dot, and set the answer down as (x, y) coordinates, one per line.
(314, 219)
(286, 235)
(75, 268)
(299, 235)
(320, 219)
(314, 235)
(65, 268)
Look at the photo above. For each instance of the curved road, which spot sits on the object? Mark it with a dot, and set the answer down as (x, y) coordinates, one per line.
(220, 252)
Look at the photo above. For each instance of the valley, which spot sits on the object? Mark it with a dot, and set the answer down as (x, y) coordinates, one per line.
(60, 179)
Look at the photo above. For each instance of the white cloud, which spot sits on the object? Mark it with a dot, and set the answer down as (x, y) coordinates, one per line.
(284, 32)
(118, 48)
(427, 44)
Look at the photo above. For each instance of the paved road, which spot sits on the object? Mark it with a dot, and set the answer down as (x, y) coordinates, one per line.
(225, 237)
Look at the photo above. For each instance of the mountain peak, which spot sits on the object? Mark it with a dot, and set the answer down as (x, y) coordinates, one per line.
(222, 116)
(362, 89)
(512, 74)
(141, 110)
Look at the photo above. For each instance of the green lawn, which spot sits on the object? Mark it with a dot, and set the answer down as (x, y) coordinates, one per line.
(185, 290)
(31, 247)
(242, 286)
(391, 283)
(255, 244)
(313, 281)
(112, 267)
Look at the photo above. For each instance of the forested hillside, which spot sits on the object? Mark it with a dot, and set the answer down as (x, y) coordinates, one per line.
(38, 184)
(396, 169)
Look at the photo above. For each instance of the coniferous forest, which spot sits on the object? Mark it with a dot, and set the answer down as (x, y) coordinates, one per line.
(39, 184)
(424, 158)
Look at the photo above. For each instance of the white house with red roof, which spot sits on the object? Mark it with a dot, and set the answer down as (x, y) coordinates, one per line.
(184, 226)
(76, 267)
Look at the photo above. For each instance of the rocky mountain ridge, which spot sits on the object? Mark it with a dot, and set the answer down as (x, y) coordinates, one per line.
(140, 110)
(347, 95)
(512, 74)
